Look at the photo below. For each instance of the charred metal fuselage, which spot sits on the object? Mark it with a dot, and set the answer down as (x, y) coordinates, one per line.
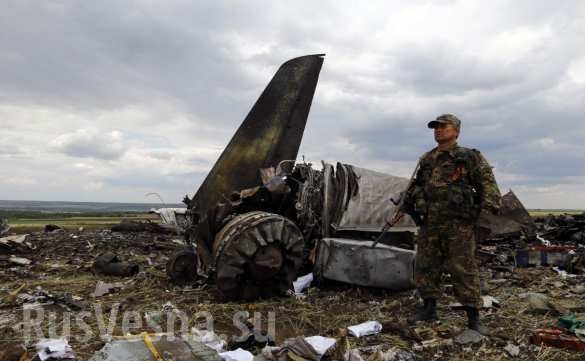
(257, 213)
(258, 218)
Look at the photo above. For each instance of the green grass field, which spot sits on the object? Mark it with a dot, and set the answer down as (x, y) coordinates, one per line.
(24, 221)
(554, 212)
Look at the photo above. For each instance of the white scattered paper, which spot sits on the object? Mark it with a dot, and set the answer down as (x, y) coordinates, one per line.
(20, 261)
(237, 355)
(209, 339)
(54, 348)
(364, 329)
(486, 302)
(490, 301)
(320, 344)
(302, 283)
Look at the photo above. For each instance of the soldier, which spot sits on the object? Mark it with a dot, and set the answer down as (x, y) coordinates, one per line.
(452, 186)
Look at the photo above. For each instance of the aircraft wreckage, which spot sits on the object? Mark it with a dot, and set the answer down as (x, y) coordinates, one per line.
(258, 218)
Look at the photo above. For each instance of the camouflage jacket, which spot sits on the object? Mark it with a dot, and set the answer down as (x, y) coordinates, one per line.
(457, 182)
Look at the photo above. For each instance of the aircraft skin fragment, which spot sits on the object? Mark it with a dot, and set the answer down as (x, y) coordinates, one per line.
(271, 132)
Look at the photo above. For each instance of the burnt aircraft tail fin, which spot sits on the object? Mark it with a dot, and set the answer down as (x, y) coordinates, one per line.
(271, 132)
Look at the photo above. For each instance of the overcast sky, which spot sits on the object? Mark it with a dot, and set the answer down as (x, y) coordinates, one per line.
(110, 100)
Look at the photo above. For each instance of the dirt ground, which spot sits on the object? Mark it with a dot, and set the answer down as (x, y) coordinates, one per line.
(61, 274)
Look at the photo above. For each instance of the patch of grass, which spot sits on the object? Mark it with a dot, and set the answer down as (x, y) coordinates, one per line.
(25, 221)
(553, 212)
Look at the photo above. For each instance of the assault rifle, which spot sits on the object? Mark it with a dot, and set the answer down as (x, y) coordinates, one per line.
(400, 209)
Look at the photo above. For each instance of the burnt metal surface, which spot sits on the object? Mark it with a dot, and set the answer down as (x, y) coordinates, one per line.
(356, 262)
(513, 220)
(270, 133)
(109, 264)
(182, 266)
(565, 228)
(257, 254)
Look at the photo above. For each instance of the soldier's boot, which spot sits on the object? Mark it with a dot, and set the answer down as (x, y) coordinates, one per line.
(426, 313)
(474, 321)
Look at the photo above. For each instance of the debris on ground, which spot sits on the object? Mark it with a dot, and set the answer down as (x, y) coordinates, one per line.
(320, 344)
(512, 349)
(54, 349)
(469, 336)
(574, 325)
(103, 288)
(539, 255)
(394, 354)
(539, 303)
(13, 352)
(566, 228)
(63, 265)
(4, 226)
(40, 298)
(294, 348)
(556, 338)
(13, 244)
(52, 228)
(209, 339)
(353, 355)
(365, 329)
(146, 347)
(174, 217)
(131, 226)
(487, 302)
(237, 355)
(109, 264)
(21, 261)
(301, 283)
(433, 343)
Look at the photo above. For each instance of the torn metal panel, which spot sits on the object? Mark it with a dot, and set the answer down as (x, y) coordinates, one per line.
(271, 133)
(177, 349)
(356, 262)
(513, 220)
(172, 216)
(363, 200)
(328, 195)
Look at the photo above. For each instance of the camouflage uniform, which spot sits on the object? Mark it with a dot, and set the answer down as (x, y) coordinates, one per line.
(450, 189)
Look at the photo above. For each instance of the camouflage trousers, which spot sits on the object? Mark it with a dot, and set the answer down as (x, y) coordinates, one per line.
(449, 247)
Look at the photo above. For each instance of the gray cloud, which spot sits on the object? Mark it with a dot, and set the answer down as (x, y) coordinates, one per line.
(145, 95)
(87, 143)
